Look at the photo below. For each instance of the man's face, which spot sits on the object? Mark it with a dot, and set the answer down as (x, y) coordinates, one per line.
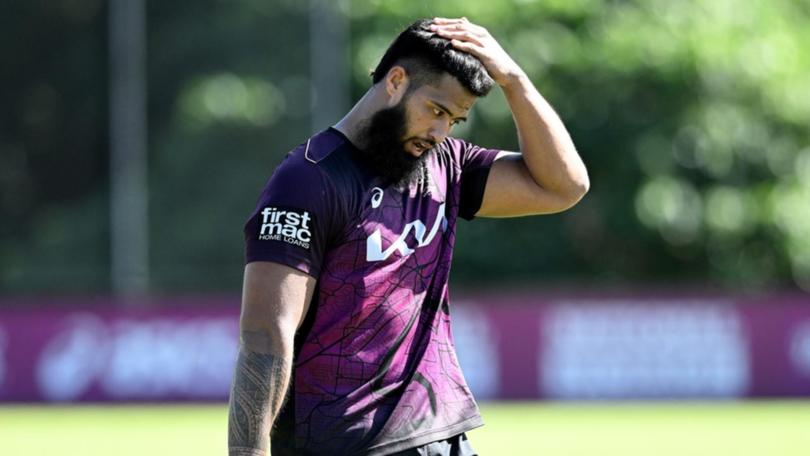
(432, 110)
(398, 139)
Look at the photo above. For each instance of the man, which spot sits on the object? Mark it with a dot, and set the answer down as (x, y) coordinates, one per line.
(345, 300)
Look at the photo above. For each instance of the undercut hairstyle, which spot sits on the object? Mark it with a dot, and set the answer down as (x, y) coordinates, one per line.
(425, 56)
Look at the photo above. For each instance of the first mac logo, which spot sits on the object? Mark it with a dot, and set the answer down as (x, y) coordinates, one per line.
(288, 225)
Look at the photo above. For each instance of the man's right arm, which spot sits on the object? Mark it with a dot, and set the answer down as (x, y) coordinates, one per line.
(274, 302)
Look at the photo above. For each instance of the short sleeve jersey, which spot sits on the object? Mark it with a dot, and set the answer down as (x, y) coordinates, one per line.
(375, 369)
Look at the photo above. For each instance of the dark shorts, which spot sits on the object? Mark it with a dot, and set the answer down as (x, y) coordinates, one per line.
(454, 446)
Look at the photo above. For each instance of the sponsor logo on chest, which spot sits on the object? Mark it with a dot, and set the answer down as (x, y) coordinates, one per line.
(287, 225)
(423, 237)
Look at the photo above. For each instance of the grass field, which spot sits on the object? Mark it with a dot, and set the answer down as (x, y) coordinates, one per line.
(627, 429)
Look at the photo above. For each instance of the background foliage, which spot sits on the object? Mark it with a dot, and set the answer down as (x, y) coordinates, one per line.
(692, 117)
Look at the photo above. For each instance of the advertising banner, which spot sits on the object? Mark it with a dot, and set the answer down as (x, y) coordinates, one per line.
(104, 352)
(510, 347)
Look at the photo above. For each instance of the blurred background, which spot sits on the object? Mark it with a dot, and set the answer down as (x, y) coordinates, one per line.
(135, 137)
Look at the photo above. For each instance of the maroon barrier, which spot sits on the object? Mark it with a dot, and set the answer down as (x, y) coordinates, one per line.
(511, 347)
(97, 351)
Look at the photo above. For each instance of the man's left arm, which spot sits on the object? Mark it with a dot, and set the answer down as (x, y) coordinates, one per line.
(548, 176)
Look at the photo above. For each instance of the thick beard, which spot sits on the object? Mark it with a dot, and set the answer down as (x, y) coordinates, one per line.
(384, 149)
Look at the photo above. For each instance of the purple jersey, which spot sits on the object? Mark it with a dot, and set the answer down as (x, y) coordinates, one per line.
(375, 369)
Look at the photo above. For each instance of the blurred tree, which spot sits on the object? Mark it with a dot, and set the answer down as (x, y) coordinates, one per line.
(53, 154)
(692, 117)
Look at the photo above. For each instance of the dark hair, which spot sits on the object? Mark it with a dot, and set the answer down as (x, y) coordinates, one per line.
(424, 54)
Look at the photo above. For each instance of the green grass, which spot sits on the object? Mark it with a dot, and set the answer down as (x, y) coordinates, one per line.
(659, 429)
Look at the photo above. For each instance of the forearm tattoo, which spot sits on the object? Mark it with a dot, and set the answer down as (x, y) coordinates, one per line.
(257, 393)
